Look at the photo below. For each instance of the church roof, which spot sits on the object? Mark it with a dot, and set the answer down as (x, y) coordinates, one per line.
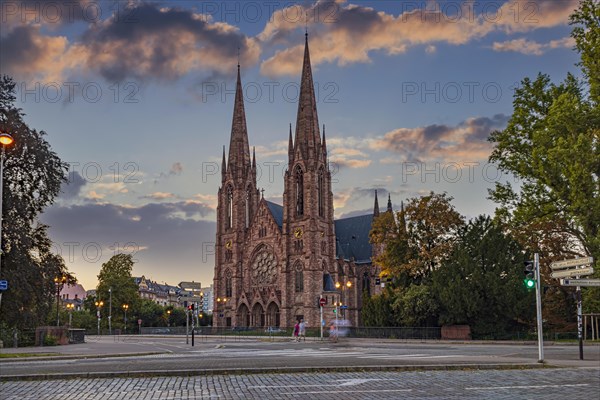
(276, 212)
(352, 234)
(352, 238)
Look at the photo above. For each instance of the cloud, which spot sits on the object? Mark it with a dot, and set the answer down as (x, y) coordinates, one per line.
(161, 43)
(350, 163)
(159, 196)
(177, 243)
(72, 187)
(176, 169)
(530, 47)
(466, 141)
(354, 32)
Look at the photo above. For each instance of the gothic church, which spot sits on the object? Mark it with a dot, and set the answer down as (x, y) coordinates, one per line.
(273, 263)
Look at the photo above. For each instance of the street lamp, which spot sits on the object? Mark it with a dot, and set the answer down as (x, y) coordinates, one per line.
(169, 318)
(343, 287)
(58, 283)
(70, 307)
(98, 305)
(125, 308)
(5, 140)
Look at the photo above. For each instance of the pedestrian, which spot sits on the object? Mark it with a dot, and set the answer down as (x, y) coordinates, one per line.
(296, 331)
(302, 329)
(333, 333)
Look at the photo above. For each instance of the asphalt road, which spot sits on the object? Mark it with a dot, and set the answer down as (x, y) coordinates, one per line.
(173, 356)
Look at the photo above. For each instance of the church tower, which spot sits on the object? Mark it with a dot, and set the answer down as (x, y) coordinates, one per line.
(238, 200)
(308, 226)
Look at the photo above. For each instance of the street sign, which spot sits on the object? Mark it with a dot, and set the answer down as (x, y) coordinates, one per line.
(573, 262)
(343, 307)
(3, 285)
(580, 282)
(139, 322)
(322, 302)
(572, 272)
(377, 281)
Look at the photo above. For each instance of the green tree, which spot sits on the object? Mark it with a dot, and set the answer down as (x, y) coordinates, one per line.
(432, 224)
(552, 144)
(481, 284)
(33, 175)
(414, 306)
(115, 275)
(377, 310)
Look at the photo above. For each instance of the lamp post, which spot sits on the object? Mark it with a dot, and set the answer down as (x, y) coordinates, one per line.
(168, 318)
(343, 287)
(98, 305)
(58, 283)
(125, 308)
(110, 311)
(5, 140)
(70, 307)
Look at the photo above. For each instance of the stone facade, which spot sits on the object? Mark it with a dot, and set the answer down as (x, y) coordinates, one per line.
(273, 263)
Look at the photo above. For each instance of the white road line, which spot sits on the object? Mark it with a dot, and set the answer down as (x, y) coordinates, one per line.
(528, 386)
(351, 391)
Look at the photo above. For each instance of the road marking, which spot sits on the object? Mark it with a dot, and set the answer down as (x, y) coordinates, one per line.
(350, 391)
(528, 386)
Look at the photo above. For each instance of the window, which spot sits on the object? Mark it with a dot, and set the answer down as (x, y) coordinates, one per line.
(321, 191)
(228, 284)
(229, 219)
(228, 255)
(247, 213)
(366, 282)
(299, 279)
(299, 191)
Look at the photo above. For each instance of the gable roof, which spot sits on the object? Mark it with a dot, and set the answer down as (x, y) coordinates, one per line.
(277, 213)
(352, 238)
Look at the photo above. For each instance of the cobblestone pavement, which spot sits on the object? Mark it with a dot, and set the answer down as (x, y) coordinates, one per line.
(568, 383)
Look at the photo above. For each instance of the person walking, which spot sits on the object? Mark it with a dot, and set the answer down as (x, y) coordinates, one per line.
(302, 330)
(296, 331)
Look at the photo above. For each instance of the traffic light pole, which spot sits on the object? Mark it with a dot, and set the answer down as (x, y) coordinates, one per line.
(538, 301)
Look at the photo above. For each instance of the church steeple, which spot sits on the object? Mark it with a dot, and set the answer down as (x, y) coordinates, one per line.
(223, 166)
(307, 124)
(376, 206)
(239, 150)
(389, 205)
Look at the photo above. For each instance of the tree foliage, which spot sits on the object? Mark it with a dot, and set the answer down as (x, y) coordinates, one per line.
(115, 275)
(552, 144)
(481, 283)
(33, 174)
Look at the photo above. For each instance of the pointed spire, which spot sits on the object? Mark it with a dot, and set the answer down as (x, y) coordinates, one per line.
(290, 145)
(389, 205)
(254, 158)
(324, 142)
(376, 206)
(307, 123)
(239, 151)
(402, 219)
(223, 166)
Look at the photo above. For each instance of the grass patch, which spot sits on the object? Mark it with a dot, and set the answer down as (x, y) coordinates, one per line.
(24, 355)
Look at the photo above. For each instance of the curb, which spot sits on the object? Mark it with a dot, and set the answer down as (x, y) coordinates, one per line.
(79, 356)
(250, 371)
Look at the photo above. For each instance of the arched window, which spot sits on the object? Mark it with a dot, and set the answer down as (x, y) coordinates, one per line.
(298, 175)
(321, 191)
(229, 217)
(247, 207)
(299, 279)
(366, 283)
(228, 284)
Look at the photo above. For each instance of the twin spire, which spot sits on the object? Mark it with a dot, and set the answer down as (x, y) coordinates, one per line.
(239, 149)
(307, 136)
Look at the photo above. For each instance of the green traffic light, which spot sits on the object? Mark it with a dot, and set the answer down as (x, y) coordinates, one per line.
(529, 283)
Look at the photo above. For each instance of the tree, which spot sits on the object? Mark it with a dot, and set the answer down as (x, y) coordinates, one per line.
(33, 175)
(552, 144)
(115, 275)
(432, 224)
(481, 284)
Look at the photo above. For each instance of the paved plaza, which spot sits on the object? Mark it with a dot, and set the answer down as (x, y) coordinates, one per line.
(564, 383)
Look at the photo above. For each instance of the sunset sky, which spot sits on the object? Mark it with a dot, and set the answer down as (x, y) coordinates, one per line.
(138, 98)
